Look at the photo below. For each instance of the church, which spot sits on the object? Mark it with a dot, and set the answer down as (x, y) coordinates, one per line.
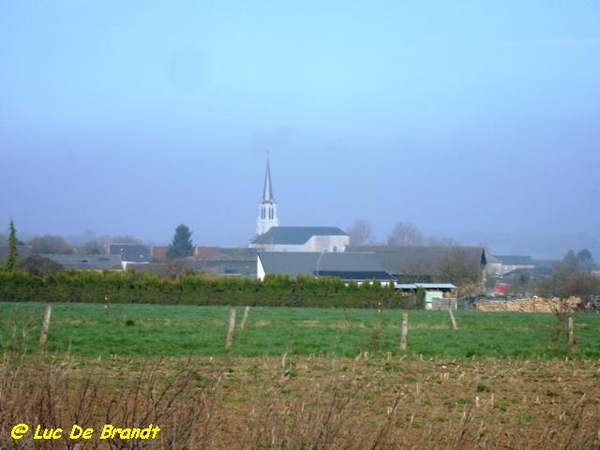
(274, 238)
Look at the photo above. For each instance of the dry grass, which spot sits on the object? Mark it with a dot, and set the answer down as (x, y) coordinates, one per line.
(306, 403)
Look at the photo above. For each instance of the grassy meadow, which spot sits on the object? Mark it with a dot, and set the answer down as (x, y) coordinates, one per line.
(298, 378)
(185, 331)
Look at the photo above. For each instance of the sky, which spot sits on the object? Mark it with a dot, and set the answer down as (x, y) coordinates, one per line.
(477, 121)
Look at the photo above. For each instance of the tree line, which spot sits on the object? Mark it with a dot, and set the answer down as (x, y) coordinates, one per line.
(181, 245)
(403, 233)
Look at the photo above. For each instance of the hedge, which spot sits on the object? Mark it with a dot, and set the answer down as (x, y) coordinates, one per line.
(196, 289)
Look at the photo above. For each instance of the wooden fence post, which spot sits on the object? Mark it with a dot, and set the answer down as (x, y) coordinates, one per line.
(45, 326)
(571, 335)
(347, 317)
(452, 319)
(245, 318)
(230, 329)
(404, 331)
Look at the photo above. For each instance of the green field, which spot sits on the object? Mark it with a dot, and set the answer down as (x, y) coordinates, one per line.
(299, 378)
(160, 330)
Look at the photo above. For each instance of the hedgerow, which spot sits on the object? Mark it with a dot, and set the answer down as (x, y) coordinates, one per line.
(196, 289)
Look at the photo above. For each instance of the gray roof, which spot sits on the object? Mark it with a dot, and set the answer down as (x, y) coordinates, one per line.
(89, 262)
(347, 265)
(131, 252)
(404, 259)
(295, 235)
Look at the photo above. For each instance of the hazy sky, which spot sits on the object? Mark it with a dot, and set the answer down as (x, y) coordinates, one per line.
(131, 117)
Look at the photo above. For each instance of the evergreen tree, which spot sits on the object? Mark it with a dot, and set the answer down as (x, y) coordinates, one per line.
(13, 255)
(181, 246)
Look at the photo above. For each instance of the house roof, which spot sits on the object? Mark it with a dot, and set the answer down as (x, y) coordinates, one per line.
(356, 265)
(89, 262)
(205, 252)
(295, 235)
(131, 252)
(159, 251)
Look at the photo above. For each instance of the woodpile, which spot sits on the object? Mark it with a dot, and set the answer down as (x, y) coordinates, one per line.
(534, 304)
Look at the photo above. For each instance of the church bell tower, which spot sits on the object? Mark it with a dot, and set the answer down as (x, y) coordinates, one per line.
(267, 208)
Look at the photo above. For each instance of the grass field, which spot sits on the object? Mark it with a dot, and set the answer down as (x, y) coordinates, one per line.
(299, 378)
(159, 330)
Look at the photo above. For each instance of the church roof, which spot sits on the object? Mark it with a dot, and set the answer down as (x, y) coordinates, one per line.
(295, 235)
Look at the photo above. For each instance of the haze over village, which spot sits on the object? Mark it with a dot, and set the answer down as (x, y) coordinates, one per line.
(475, 124)
(299, 224)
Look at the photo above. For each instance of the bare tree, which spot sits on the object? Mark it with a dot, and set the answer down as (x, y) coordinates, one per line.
(360, 232)
(125, 240)
(92, 247)
(39, 266)
(570, 280)
(50, 245)
(405, 233)
(461, 269)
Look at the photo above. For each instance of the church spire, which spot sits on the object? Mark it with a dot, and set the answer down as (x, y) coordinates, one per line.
(267, 208)
(268, 189)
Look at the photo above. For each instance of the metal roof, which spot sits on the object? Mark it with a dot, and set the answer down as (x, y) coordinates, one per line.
(89, 262)
(397, 259)
(320, 264)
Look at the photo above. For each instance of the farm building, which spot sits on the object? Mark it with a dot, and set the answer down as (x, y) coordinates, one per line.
(424, 261)
(349, 266)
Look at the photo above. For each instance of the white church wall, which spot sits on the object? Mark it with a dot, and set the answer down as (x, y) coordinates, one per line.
(326, 244)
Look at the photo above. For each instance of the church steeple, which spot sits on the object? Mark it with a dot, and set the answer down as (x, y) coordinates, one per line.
(267, 208)
(268, 189)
